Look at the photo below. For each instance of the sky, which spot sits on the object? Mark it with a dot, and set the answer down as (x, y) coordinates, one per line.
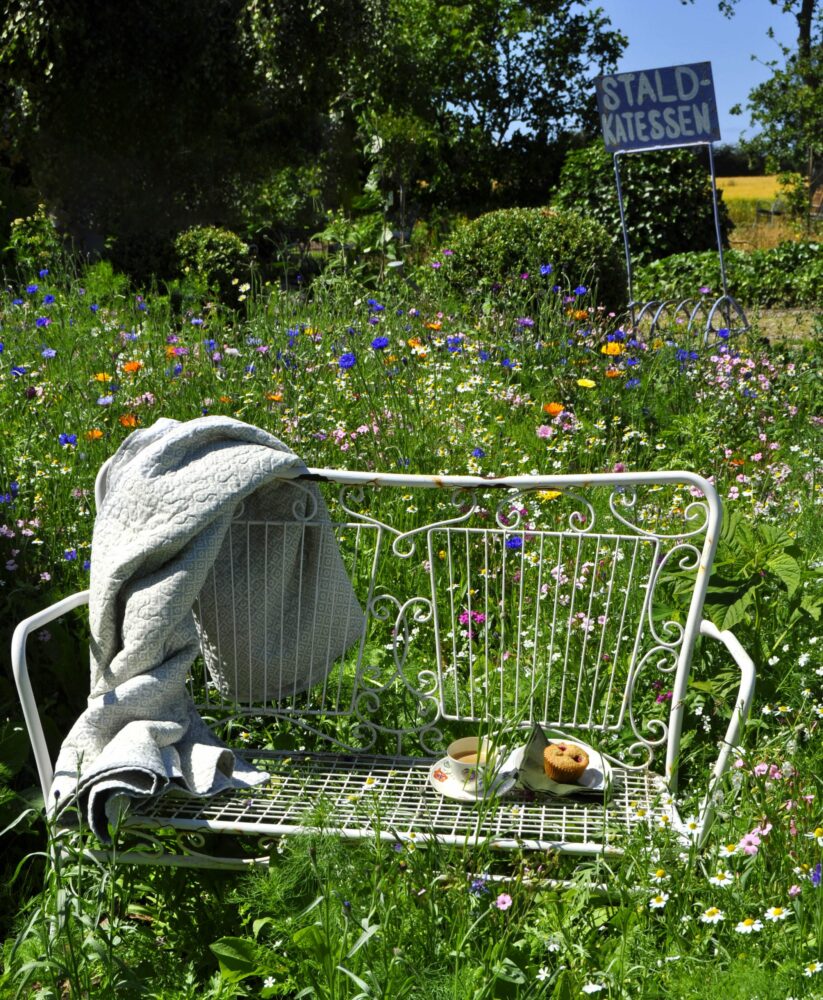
(668, 33)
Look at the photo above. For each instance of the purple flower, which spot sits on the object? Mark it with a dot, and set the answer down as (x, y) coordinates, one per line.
(48, 352)
(70, 555)
(42, 321)
(436, 264)
(526, 321)
(347, 360)
(478, 886)
(631, 383)
(379, 343)
(197, 321)
(105, 400)
(817, 875)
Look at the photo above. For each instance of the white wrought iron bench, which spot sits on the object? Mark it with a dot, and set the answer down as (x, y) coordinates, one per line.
(573, 602)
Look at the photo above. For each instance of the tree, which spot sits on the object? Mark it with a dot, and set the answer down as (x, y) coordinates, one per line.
(788, 107)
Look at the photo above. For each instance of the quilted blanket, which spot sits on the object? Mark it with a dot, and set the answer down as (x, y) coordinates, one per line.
(161, 546)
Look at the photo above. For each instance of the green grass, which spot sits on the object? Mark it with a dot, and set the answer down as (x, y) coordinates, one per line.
(457, 387)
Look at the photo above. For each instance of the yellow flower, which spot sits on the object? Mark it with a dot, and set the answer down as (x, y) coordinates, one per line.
(586, 383)
(612, 348)
(102, 377)
(548, 494)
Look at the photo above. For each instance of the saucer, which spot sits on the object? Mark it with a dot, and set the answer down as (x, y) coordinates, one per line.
(461, 783)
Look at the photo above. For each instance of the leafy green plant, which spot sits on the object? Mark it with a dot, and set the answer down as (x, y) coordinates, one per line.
(499, 247)
(667, 194)
(213, 256)
(789, 275)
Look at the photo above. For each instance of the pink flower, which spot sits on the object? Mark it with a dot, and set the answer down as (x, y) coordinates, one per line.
(749, 843)
(544, 431)
(794, 890)
(775, 772)
(503, 901)
(761, 769)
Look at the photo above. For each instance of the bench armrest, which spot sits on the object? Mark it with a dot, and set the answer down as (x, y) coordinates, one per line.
(739, 715)
(28, 702)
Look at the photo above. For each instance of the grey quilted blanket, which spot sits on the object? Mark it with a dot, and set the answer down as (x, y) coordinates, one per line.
(162, 545)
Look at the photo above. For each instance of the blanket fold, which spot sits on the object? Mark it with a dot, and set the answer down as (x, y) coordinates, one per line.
(161, 548)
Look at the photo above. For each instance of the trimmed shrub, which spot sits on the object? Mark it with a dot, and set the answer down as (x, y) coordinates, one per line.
(791, 274)
(667, 196)
(34, 241)
(212, 256)
(496, 248)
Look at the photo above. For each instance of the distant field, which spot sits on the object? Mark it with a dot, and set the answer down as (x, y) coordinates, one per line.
(741, 188)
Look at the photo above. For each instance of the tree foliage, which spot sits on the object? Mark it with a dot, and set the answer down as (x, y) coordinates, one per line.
(146, 118)
(667, 193)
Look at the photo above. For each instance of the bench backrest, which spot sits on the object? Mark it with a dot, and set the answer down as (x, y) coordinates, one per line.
(572, 601)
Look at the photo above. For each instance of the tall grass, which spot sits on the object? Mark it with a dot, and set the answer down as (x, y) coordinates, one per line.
(395, 378)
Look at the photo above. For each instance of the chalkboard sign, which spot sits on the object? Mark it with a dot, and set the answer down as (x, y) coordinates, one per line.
(672, 106)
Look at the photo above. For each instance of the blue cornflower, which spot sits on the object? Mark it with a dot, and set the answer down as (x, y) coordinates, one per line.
(375, 306)
(44, 273)
(347, 360)
(507, 363)
(177, 369)
(87, 564)
(249, 369)
(631, 362)
(478, 886)
(47, 300)
(525, 321)
(817, 875)
(631, 383)
(209, 344)
(478, 453)
(105, 400)
(31, 289)
(48, 352)
(94, 307)
(515, 542)
(723, 334)
(546, 269)
(67, 439)
(2, 347)
(197, 321)
(18, 370)
(42, 321)
(455, 344)
(142, 306)
(131, 335)
(483, 355)
(379, 343)
(17, 302)
(580, 290)
(14, 488)
(681, 354)
(70, 555)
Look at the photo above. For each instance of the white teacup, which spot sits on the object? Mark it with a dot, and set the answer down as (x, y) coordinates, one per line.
(471, 754)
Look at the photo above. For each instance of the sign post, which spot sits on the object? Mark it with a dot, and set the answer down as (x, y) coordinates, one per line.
(659, 109)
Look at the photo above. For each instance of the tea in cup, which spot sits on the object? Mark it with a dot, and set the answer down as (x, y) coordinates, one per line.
(470, 754)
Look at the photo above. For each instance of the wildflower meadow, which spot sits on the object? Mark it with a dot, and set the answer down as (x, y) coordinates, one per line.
(401, 373)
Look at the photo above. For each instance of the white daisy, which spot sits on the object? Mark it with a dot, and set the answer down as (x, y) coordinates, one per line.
(593, 988)
(543, 973)
(659, 901)
(812, 969)
(659, 875)
(712, 915)
(776, 913)
(749, 925)
(723, 878)
(728, 850)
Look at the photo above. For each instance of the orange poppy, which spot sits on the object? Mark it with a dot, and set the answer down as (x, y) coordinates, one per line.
(613, 373)
(94, 434)
(434, 326)
(553, 409)
(130, 367)
(274, 397)
(128, 420)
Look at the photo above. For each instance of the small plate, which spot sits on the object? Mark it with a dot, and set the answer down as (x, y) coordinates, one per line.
(461, 784)
(530, 773)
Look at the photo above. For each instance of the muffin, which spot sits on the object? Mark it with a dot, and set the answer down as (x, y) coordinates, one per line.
(565, 762)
